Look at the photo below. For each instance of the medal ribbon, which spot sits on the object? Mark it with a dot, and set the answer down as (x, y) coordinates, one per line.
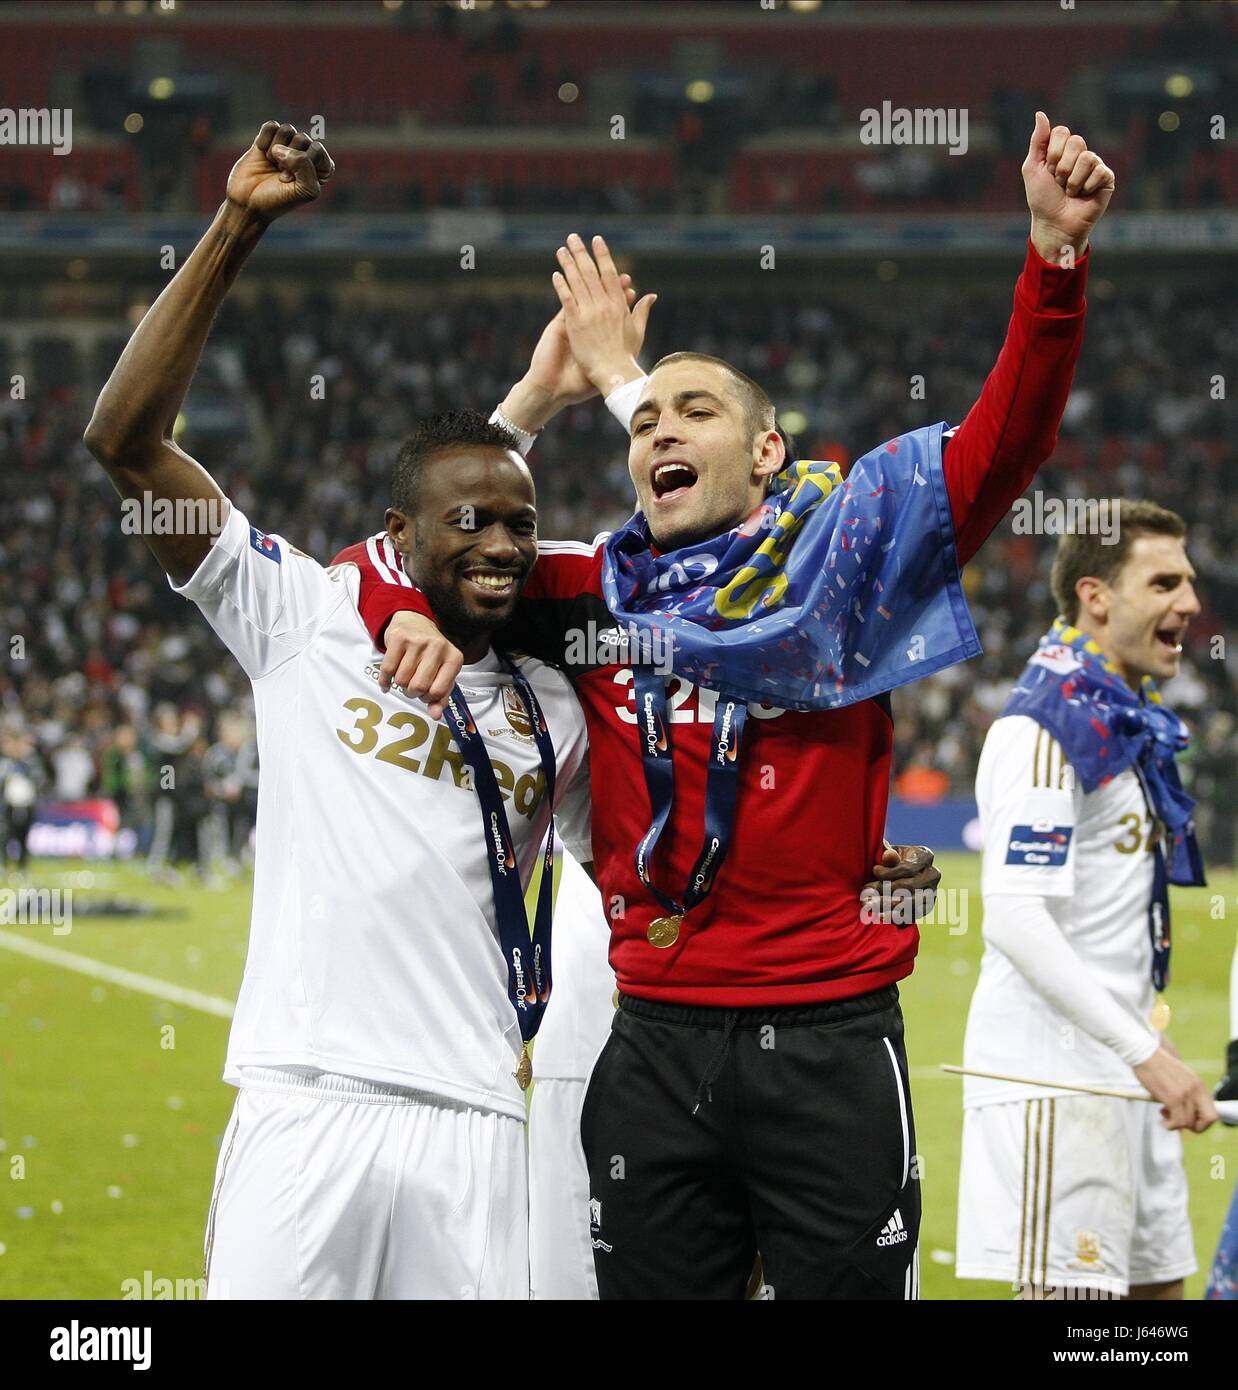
(1158, 904)
(721, 786)
(528, 958)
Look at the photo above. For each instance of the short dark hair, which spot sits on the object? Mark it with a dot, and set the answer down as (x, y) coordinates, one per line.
(452, 429)
(758, 408)
(1081, 554)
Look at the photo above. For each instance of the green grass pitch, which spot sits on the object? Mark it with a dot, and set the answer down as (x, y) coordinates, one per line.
(112, 1110)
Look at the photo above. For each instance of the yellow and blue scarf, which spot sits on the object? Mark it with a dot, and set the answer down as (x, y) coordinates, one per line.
(834, 590)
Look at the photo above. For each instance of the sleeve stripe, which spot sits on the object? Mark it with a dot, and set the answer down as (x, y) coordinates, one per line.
(380, 566)
(396, 563)
(1055, 773)
(1065, 773)
(1057, 764)
(566, 548)
(386, 564)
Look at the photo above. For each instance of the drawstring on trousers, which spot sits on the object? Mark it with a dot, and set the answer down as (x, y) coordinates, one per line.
(704, 1089)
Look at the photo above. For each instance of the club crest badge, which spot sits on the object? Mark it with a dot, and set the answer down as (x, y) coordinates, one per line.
(517, 715)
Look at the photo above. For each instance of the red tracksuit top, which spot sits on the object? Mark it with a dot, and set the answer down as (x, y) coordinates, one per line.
(782, 924)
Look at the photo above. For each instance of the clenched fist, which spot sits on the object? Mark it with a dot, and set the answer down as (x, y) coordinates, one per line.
(282, 168)
(1068, 189)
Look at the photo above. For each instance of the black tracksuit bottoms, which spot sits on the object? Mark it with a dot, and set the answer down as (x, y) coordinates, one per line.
(713, 1133)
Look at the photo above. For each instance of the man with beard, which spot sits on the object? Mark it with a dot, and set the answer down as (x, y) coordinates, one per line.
(380, 1043)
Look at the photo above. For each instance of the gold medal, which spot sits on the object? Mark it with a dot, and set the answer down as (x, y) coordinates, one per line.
(664, 931)
(524, 1070)
(1161, 1014)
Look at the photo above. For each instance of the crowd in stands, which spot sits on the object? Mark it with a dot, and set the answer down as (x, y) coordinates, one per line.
(111, 685)
(708, 105)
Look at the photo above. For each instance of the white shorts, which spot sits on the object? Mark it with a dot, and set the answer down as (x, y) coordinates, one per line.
(330, 1187)
(560, 1242)
(1072, 1192)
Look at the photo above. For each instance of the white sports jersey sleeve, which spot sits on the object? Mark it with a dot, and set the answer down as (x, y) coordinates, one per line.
(1065, 990)
(262, 596)
(1025, 792)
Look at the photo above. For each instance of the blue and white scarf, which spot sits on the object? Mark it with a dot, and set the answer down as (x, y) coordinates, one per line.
(831, 592)
(1071, 689)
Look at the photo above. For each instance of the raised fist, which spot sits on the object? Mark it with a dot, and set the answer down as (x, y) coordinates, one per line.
(1068, 188)
(281, 169)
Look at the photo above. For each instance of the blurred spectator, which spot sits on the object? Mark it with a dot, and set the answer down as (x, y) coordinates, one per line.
(73, 769)
(20, 780)
(125, 777)
(68, 194)
(177, 747)
(230, 783)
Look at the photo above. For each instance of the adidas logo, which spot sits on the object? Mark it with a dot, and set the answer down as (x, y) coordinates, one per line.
(893, 1232)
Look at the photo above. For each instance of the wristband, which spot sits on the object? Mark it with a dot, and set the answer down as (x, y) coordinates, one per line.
(623, 400)
(524, 440)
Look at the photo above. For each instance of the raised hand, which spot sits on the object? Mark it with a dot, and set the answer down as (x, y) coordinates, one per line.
(281, 169)
(554, 370)
(1068, 189)
(605, 335)
(554, 379)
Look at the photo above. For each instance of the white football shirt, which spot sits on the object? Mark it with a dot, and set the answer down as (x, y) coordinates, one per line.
(1090, 858)
(373, 949)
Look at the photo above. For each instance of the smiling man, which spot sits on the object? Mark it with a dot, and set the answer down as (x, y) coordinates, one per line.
(1084, 822)
(465, 515)
(377, 1144)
